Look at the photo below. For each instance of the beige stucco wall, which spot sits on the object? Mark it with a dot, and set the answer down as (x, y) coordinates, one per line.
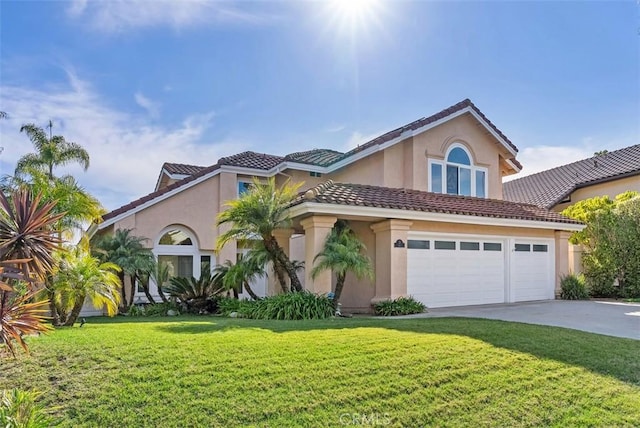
(610, 188)
(405, 164)
(195, 208)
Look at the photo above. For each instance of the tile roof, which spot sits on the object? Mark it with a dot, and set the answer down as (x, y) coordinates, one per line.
(426, 121)
(319, 157)
(181, 168)
(548, 188)
(414, 200)
(252, 160)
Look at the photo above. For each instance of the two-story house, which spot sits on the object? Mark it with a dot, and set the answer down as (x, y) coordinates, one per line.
(426, 199)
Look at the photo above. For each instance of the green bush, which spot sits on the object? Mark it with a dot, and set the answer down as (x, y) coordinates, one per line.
(292, 306)
(18, 409)
(288, 306)
(153, 310)
(399, 306)
(572, 287)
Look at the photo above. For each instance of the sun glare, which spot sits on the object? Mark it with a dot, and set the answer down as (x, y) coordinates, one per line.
(354, 15)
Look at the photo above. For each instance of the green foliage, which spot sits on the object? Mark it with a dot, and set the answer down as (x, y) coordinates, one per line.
(342, 253)
(196, 295)
(19, 409)
(287, 306)
(399, 306)
(611, 241)
(572, 287)
(80, 276)
(243, 307)
(152, 310)
(258, 213)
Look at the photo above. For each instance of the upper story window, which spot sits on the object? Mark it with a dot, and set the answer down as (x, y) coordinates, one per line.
(457, 175)
(175, 237)
(243, 187)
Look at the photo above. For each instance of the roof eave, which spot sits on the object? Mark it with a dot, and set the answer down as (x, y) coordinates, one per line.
(305, 208)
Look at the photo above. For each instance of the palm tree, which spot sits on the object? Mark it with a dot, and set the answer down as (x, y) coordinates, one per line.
(243, 272)
(343, 253)
(51, 151)
(257, 214)
(82, 276)
(125, 250)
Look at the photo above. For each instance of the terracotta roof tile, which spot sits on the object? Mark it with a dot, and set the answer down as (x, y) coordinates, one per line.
(181, 168)
(548, 188)
(252, 160)
(426, 121)
(319, 157)
(414, 200)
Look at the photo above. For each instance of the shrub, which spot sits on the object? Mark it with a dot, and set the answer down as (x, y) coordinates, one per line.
(196, 295)
(19, 409)
(301, 305)
(399, 306)
(572, 287)
(227, 305)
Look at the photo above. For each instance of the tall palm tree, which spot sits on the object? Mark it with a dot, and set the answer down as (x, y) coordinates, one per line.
(343, 253)
(51, 151)
(257, 214)
(82, 276)
(125, 250)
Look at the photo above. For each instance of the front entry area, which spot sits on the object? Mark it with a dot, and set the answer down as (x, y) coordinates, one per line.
(460, 270)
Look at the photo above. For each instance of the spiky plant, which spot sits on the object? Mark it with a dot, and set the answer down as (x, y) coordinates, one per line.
(27, 232)
(20, 317)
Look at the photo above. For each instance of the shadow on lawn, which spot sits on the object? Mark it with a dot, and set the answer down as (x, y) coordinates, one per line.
(610, 356)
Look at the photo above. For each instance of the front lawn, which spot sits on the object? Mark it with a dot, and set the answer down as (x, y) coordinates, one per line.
(210, 372)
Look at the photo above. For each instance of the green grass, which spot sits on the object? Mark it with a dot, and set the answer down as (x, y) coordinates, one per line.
(218, 372)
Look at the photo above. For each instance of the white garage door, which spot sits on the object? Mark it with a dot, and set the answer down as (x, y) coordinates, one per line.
(532, 271)
(444, 271)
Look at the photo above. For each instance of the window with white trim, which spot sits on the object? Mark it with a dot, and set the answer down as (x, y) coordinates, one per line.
(457, 174)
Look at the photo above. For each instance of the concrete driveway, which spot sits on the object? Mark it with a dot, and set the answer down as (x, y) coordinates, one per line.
(603, 317)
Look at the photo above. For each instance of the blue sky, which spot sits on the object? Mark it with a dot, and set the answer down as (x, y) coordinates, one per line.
(139, 83)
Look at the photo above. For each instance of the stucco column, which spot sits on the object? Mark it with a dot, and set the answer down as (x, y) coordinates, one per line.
(282, 237)
(228, 190)
(391, 260)
(562, 256)
(316, 230)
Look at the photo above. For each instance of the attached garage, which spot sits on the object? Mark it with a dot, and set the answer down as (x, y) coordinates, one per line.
(459, 270)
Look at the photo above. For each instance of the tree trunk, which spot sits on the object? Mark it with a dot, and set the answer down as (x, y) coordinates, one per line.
(272, 247)
(162, 296)
(55, 318)
(250, 291)
(132, 280)
(123, 302)
(339, 286)
(145, 288)
(75, 312)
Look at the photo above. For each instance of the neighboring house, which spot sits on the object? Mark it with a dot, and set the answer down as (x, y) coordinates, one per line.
(604, 174)
(426, 199)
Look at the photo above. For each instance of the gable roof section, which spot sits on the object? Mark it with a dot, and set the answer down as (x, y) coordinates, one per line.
(252, 160)
(317, 157)
(548, 188)
(425, 121)
(181, 168)
(358, 195)
(324, 159)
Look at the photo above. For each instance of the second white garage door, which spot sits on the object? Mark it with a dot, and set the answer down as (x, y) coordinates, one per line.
(455, 272)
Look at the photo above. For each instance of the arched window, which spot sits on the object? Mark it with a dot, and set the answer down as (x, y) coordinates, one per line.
(457, 174)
